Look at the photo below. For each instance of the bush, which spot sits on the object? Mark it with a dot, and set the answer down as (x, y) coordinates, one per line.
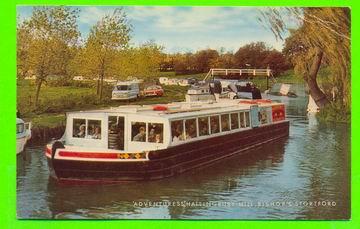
(335, 112)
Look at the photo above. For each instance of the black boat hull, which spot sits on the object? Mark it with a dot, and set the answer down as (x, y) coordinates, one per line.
(171, 161)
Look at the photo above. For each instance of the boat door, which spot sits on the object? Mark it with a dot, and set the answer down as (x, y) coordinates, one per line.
(254, 112)
(116, 133)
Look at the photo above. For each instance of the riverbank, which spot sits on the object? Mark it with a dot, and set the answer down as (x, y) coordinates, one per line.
(56, 100)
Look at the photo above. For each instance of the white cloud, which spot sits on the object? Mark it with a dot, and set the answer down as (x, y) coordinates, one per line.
(192, 18)
(91, 14)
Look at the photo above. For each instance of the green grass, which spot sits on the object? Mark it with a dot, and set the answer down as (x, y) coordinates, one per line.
(55, 101)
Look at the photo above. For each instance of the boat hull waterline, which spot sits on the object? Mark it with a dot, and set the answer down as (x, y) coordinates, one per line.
(166, 162)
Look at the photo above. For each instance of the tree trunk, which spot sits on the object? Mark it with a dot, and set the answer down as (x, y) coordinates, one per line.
(38, 86)
(98, 87)
(101, 86)
(315, 92)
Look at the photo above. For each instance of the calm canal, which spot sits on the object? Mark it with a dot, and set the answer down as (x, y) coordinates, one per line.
(306, 176)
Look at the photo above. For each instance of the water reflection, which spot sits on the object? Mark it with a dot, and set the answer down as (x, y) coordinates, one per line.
(127, 199)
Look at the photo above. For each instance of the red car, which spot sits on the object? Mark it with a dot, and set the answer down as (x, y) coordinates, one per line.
(154, 90)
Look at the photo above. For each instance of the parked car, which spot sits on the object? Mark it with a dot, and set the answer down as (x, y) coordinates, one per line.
(153, 90)
(126, 90)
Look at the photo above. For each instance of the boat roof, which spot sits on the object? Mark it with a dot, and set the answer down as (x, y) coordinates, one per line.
(180, 109)
(18, 121)
(127, 82)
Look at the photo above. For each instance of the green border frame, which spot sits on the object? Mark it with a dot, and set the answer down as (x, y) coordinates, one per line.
(8, 108)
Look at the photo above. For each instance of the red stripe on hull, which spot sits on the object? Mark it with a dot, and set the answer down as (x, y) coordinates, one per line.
(88, 155)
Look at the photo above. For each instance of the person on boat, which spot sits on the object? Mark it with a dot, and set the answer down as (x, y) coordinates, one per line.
(140, 137)
(215, 89)
(192, 132)
(158, 138)
(97, 133)
(225, 124)
(152, 135)
(256, 94)
(81, 133)
(214, 127)
(204, 130)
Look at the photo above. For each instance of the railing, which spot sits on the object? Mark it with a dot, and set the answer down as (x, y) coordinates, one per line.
(225, 72)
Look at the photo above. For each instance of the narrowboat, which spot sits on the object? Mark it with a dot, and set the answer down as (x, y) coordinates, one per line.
(148, 142)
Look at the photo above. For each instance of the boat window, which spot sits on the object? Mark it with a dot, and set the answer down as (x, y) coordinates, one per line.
(242, 119)
(122, 87)
(94, 129)
(190, 128)
(116, 127)
(138, 131)
(177, 130)
(234, 121)
(155, 132)
(19, 128)
(215, 124)
(225, 125)
(203, 126)
(247, 118)
(79, 128)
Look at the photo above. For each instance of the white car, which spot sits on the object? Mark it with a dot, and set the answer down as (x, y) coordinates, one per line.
(126, 90)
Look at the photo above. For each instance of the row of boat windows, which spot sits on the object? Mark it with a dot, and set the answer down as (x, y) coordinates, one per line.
(86, 128)
(182, 130)
(147, 132)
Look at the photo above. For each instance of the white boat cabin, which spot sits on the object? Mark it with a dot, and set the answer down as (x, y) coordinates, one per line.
(143, 128)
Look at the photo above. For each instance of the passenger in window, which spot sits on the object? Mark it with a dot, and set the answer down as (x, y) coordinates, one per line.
(191, 132)
(203, 126)
(97, 133)
(204, 130)
(81, 133)
(190, 127)
(140, 137)
(234, 121)
(177, 131)
(158, 138)
(242, 121)
(225, 122)
(151, 135)
(215, 126)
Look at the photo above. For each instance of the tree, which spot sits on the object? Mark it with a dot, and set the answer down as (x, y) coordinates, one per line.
(185, 63)
(260, 55)
(206, 59)
(52, 31)
(22, 50)
(251, 54)
(322, 37)
(108, 37)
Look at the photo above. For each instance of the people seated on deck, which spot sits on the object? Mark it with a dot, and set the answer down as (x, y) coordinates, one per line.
(140, 137)
(97, 133)
(81, 133)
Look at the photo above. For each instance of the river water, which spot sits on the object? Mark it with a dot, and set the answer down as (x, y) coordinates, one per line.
(306, 176)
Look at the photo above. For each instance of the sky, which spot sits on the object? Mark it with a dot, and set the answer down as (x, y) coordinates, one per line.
(183, 29)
